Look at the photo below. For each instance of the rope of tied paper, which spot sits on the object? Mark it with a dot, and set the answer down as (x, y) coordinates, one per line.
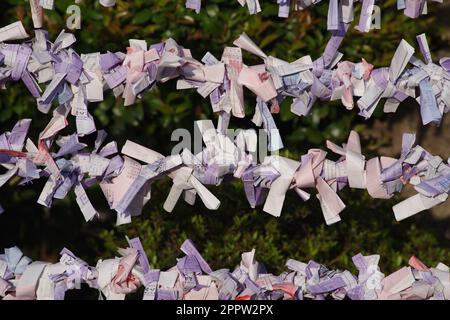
(73, 80)
(338, 10)
(126, 183)
(193, 279)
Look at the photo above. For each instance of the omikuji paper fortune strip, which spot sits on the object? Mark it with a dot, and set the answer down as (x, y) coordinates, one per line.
(193, 279)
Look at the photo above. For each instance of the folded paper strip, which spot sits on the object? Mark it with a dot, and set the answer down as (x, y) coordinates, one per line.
(191, 278)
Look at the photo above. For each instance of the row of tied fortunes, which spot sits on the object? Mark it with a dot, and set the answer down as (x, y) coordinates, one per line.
(193, 279)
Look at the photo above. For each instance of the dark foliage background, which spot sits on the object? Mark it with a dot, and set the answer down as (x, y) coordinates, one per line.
(368, 225)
